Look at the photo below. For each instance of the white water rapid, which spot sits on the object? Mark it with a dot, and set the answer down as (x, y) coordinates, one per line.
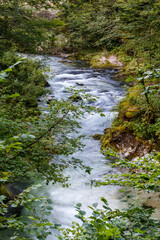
(66, 73)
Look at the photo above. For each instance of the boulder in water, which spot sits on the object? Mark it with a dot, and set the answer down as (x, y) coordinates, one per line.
(80, 84)
(49, 98)
(97, 136)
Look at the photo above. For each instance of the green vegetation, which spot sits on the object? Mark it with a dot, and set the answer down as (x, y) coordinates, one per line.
(139, 112)
(30, 138)
(106, 224)
(23, 84)
(143, 173)
(31, 141)
(23, 24)
(130, 26)
(35, 224)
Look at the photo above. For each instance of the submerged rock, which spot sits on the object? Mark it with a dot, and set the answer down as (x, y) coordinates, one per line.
(49, 98)
(97, 136)
(79, 84)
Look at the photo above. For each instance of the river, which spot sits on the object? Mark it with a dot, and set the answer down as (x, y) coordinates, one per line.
(100, 83)
(65, 73)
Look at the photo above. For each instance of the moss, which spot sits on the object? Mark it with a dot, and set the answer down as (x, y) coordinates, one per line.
(4, 191)
(132, 112)
(123, 106)
(122, 140)
(120, 129)
(102, 60)
(133, 94)
(132, 66)
(97, 136)
(106, 139)
(122, 56)
(130, 107)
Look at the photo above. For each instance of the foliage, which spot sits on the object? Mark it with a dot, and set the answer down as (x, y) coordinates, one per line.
(29, 144)
(131, 26)
(21, 26)
(32, 145)
(132, 223)
(34, 224)
(139, 24)
(91, 25)
(23, 84)
(143, 102)
(141, 173)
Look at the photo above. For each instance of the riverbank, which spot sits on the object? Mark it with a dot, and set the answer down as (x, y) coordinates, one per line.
(98, 83)
(78, 78)
(134, 132)
(129, 134)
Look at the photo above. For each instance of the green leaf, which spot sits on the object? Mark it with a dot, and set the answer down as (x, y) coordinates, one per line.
(49, 201)
(78, 205)
(95, 205)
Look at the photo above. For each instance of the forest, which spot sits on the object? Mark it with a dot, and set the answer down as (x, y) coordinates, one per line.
(33, 138)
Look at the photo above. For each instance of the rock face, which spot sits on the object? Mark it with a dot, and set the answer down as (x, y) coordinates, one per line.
(113, 60)
(47, 14)
(125, 143)
(103, 60)
(153, 201)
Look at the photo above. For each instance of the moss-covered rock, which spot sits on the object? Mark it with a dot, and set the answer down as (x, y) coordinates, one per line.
(129, 108)
(100, 62)
(97, 136)
(122, 140)
(132, 66)
(4, 191)
(132, 112)
(104, 60)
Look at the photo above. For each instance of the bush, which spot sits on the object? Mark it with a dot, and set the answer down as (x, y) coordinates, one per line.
(23, 85)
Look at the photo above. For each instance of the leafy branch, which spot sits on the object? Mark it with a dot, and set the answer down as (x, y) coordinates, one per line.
(141, 173)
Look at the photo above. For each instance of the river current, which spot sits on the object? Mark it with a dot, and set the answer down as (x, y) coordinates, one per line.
(65, 73)
(100, 83)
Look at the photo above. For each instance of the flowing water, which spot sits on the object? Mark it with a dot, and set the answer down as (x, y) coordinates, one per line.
(98, 83)
(65, 73)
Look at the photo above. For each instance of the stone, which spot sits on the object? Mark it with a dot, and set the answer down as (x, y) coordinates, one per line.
(97, 136)
(49, 98)
(104, 61)
(153, 201)
(132, 112)
(79, 84)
